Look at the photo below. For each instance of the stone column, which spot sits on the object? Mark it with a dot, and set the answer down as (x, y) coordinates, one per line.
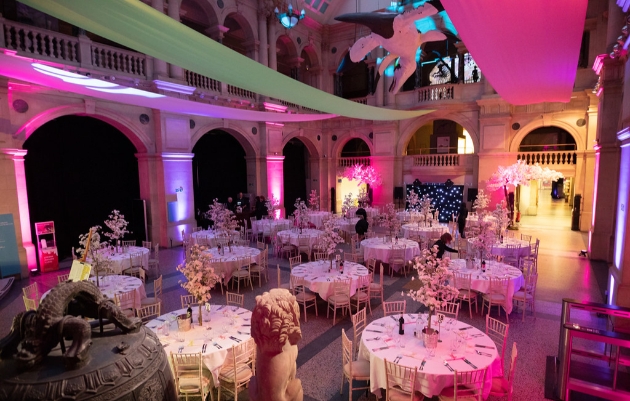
(461, 52)
(379, 92)
(607, 162)
(619, 271)
(263, 52)
(176, 71)
(14, 201)
(271, 39)
(275, 179)
(160, 68)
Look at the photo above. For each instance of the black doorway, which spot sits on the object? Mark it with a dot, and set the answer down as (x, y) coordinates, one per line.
(79, 169)
(219, 168)
(295, 169)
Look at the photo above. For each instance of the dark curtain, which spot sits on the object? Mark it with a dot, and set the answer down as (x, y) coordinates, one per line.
(79, 169)
(295, 161)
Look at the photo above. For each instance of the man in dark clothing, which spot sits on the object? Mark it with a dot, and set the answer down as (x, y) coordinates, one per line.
(362, 225)
(242, 201)
(230, 205)
(442, 245)
(461, 219)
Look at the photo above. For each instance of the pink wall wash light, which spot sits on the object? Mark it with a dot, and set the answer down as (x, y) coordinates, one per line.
(528, 50)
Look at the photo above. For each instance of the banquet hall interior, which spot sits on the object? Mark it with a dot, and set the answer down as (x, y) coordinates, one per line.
(142, 137)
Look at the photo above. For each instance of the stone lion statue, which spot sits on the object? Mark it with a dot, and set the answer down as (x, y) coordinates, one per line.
(276, 331)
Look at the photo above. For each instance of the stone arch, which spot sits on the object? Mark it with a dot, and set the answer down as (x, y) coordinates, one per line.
(338, 146)
(311, 51)
(251, 150)
(207, 7)
(538, 123)
(461, 119)
(138, 138)
(249, 36)
(299, 134)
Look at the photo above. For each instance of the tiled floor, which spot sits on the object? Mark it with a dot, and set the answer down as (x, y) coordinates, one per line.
(562, 273)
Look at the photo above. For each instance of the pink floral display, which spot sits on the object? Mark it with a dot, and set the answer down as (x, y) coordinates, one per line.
(363, 174)
(199, 273)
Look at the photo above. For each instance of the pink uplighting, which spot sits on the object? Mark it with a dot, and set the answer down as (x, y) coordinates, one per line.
(274, 124)
(275, 180)
(275, 107)
(527, 50)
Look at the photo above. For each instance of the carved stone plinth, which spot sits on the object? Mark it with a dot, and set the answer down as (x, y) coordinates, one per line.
(113, 372)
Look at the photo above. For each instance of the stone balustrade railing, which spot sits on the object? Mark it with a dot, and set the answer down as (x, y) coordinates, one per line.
(118, 60)
(361, 100)
(240, 92)
(558, 157)
(202, 82)
(435, 93)
(437, 160)
(351, 161)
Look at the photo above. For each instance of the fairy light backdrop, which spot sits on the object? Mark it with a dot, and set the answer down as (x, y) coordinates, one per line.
(445, 198)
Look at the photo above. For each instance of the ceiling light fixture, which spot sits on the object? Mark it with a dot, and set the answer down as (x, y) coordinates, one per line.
(289, 19)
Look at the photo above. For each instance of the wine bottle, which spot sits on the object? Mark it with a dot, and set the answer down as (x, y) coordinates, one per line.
(189, 313)
(401, 325)
(483, 266)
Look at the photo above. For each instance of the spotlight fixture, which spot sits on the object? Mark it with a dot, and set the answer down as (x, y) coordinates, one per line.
(289, 19)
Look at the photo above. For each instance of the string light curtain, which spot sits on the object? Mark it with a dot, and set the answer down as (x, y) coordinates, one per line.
(445, 198)
(528, 50)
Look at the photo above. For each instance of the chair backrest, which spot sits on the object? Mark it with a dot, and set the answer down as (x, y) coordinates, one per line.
(394, 307)
(135, 259)
(31, 291)
(451, 309)
(188, 300)
(498, 332)
(499, 285)
(398, 252)
(342, 287)
(128, 243)
(359, 321)
(29, 303)
(462, 280)
(279, 276)
(320, 256)
(363, 283)
(232, 298)
(126, 300)
(149, 312)
(62, 277)
(297, 284)
(512, 370)
(304, 241)
(188, 367)
(527, 266)
(244, 262)
(531, 280)
(241, 354)
(526, 237)
(157, 288)
(469, 385)
(401, 381)
(294, 261)
(146, 244)
(346, 352)
(261, 245)
(371, 264)
(156, 252)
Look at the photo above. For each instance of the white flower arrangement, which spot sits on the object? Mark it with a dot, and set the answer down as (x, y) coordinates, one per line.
(501, 216)
(224, 219)
(364, 197)
(363, 174)
(414, 201)
(482, 201)
(330, 238)
(434, 276)
(118, 225)
(272, 205)
(348, 203)
(199, 273)
(389, 219)
(301, 212)
(313, 201)
(426, 208)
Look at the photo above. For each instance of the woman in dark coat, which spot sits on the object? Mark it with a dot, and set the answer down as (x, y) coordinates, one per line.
(461, 220)
(442, 245)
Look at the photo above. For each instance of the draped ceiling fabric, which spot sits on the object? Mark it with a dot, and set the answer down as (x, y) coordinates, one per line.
(528, 50)
(140, 27)
(50, 77)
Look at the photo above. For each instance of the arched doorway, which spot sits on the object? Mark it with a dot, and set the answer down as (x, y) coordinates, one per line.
(355, 82)
(78, 169)
(286, 56)
(550, 200)
(355, 147)
(438, 137)
(296, 173)
(199, 17)
(355, 151)
(219, 168)
(309, 67)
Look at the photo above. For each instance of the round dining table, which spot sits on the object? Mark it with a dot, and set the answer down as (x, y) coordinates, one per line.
(120, 261)
(115, 284)
(523, 248)
(226, 263)
(319, 280)
(473, 220)
(346, 224)
(379, 250)
(415, 230)
(209, 234)
(265, 226)
(379, 343)
(480, 281)
(223, 327)
(410, 216)
(317, 218)
(293, 234)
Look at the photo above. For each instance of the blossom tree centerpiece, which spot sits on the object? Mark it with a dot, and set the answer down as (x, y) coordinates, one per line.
(348, 204)
(363, 174)
(200, 275)
(224, 219)
(329, 239)
(364, 198)
(414, 201)
(434, 277)
(501, 214)
(313, 201)
(517, 174)
(273, 207)
(118, 225)
(389, 219)
(301, 213)
(426, 208)
(95, 250)
(483, 242)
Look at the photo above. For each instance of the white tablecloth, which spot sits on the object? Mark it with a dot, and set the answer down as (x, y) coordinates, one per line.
(435, 376)
(370, 211)
(410, 216)
(265, 226)
(110, 285)
(312, 233)
(210, 234)
(317, 218)
(524, 248)
(473, 220)
(480, 282)
(376, 248)
(218, 319)
(317, 278)
(121, 261)
(347, 225)
(412, 229)
(226, 264)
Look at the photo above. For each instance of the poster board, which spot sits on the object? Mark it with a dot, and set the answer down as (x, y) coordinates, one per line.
(79, 271)
(9, 256)
(47, 246)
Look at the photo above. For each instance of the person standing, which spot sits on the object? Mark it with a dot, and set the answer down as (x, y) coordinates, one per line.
(442, 245)
(461, 219)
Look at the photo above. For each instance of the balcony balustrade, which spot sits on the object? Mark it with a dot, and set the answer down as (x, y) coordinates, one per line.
(558, 157)
(351, 161)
